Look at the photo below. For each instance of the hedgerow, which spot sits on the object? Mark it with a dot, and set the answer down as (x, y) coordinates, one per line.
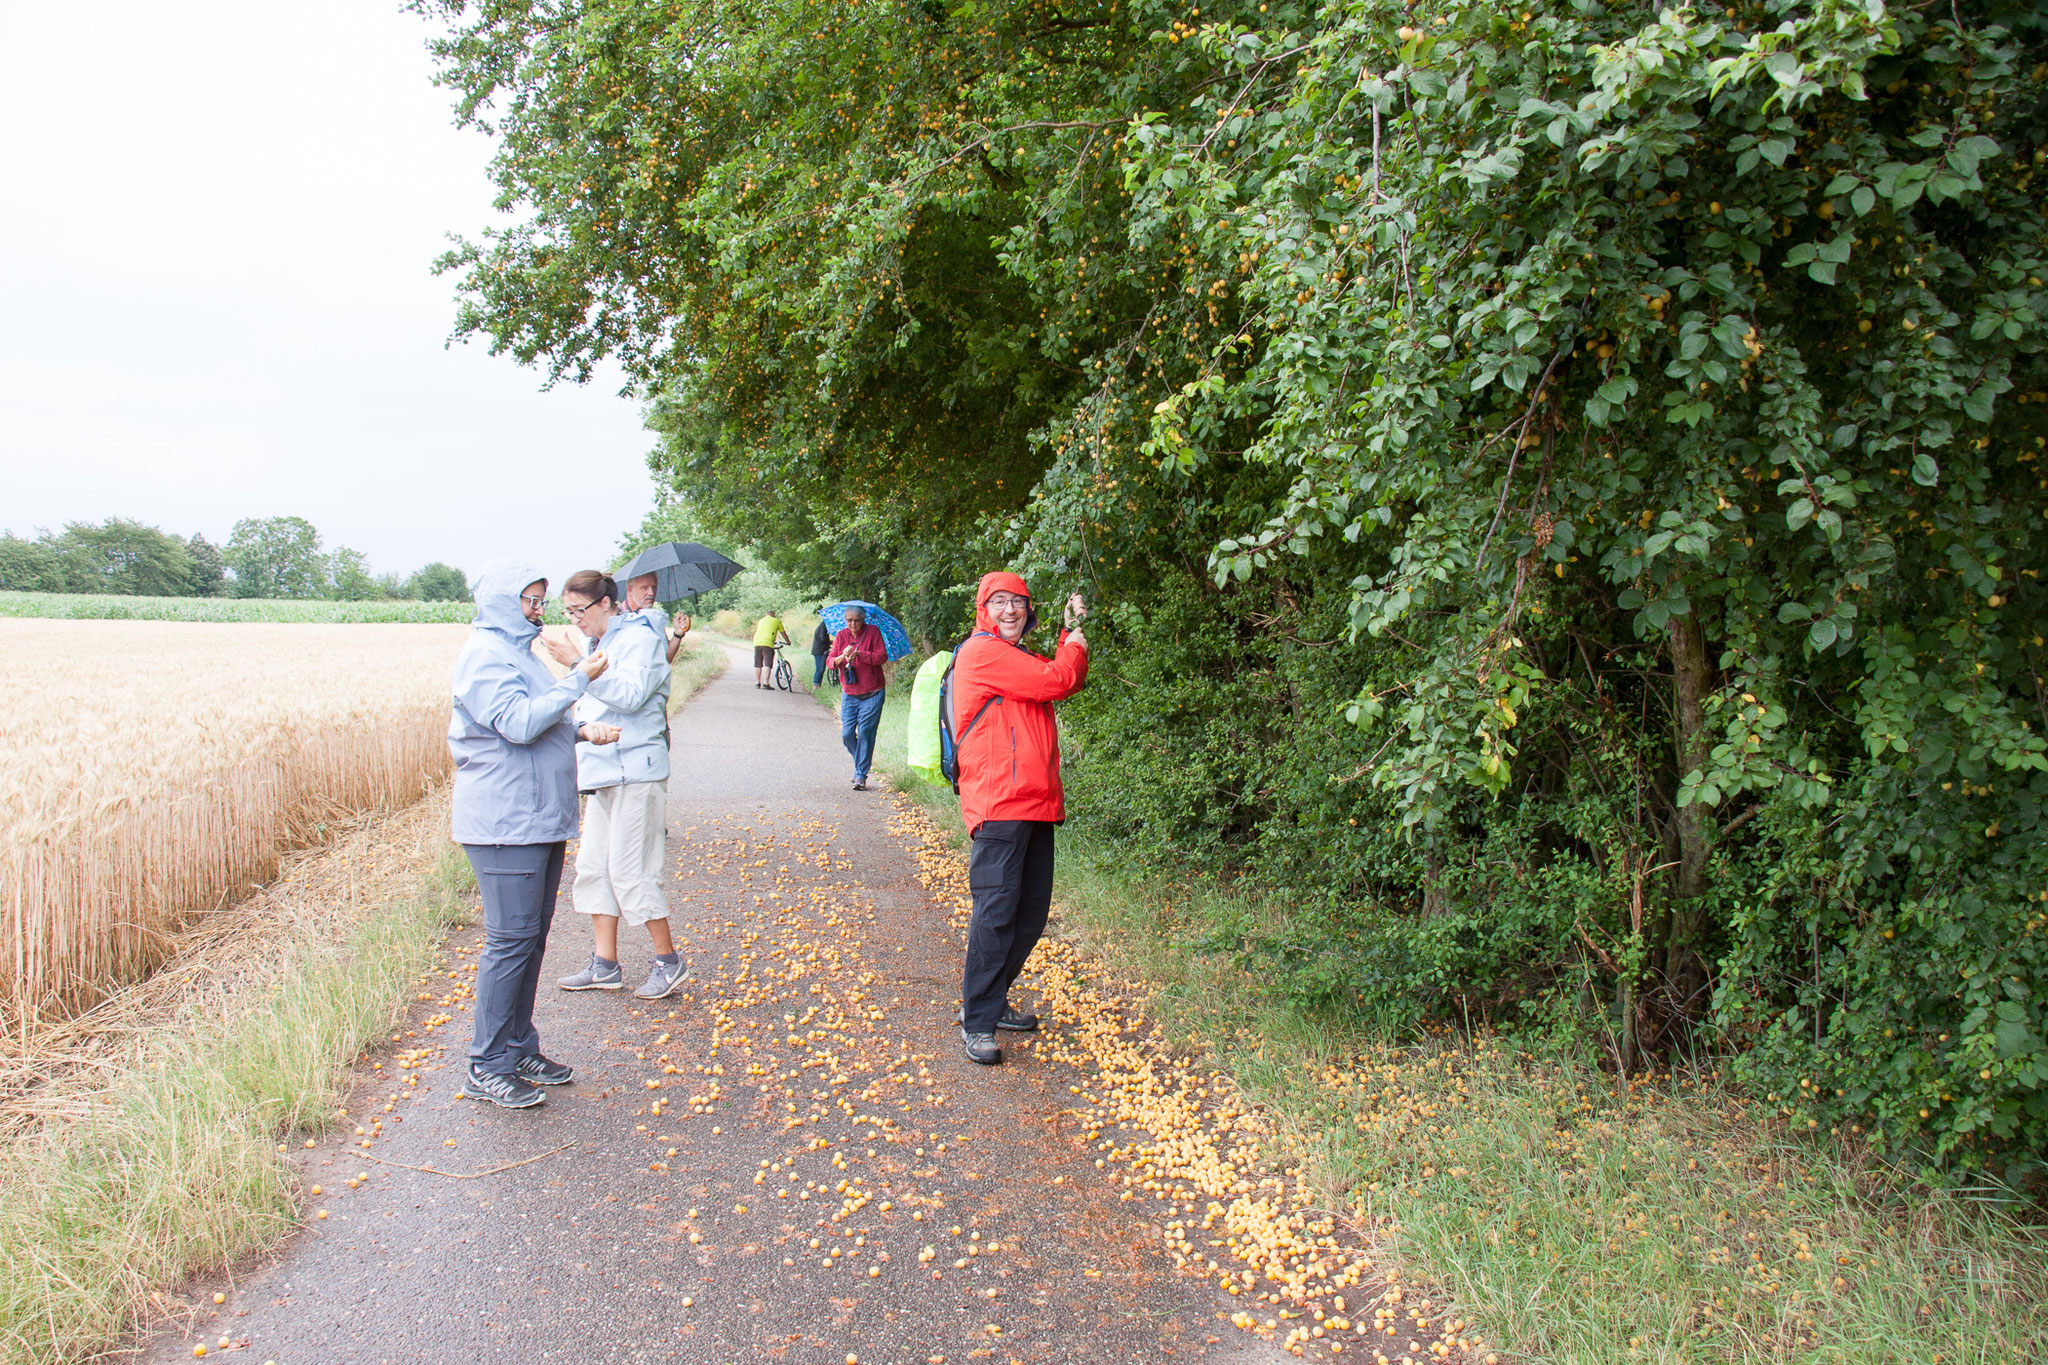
(1560, 482)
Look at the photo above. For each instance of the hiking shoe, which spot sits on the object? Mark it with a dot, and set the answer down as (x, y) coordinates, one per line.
(1014, 1020)
(860, 784)
(981, 1048)
(663, 979)
(598, 976)
(538, 1070)
(507, 1092)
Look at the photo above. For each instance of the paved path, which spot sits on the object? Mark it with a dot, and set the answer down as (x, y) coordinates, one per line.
(789, 1161)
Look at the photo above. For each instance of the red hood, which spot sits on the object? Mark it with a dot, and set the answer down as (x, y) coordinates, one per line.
(1002, 580)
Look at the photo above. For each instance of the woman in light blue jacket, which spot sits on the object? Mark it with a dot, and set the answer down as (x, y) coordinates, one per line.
(514, 809)
(622, 858)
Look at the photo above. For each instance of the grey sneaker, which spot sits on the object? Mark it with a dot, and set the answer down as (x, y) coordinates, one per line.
(1014, 1020)
(538, 1070)
(597, 976)
(663, 978)
(981, 1048)
(507, 1092)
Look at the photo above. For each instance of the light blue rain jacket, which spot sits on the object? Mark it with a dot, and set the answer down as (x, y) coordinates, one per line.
(633, 695)
(511, 736)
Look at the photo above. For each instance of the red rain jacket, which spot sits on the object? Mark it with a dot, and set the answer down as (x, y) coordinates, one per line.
(869, 654)
(1010, 759)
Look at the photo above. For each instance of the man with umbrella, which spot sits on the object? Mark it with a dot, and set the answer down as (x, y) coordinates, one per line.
(640, 598)
(667, 572)
(859, 652)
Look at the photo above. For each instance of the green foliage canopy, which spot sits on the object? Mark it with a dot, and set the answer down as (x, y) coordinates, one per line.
(438, 582)
(1567, 474)
(276, 557)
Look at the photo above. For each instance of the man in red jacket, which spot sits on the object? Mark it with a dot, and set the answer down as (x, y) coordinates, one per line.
(1010, 797)
(859, 653)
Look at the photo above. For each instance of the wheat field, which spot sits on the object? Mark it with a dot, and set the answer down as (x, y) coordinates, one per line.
(150, 769)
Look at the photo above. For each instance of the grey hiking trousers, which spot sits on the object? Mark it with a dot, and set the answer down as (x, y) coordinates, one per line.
(518, 882)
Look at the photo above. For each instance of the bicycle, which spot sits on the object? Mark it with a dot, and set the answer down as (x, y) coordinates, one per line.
(785, 676)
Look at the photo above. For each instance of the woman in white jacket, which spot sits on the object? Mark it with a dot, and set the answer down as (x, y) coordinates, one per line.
(622, 769)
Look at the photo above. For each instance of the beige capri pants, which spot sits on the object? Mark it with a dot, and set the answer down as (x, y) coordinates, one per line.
(622, 857)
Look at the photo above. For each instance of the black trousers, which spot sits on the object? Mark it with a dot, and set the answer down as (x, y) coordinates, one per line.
(518, 882)
(1009, 874)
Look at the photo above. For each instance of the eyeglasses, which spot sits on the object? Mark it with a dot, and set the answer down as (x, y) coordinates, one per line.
(1003, 601)
(532, 601)
(576, 613)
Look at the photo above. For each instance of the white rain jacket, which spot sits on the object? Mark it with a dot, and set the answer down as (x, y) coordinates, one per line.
(633, 695)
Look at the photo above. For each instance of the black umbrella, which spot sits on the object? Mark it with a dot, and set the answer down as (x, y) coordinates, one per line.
(681, 568)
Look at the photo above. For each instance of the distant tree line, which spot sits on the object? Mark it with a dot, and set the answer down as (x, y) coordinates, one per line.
(263, 557)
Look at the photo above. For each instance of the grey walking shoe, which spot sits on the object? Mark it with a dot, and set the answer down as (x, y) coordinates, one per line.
(507, 1092)
(538, 1070)
(597, 976)
(663, 979)
(981, 1048)
(1014, 1020)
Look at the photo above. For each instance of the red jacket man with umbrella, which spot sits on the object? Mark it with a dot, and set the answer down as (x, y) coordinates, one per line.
(1010, 796)
(859, 653)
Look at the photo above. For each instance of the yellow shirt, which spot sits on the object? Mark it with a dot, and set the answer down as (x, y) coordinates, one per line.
(766, 630)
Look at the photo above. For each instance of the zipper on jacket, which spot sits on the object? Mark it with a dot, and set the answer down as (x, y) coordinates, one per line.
(1013, 757)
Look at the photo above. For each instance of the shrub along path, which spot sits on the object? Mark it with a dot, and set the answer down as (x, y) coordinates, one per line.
(790, 1160)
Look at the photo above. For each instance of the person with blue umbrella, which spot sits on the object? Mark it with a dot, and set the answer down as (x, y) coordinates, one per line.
(858, 652)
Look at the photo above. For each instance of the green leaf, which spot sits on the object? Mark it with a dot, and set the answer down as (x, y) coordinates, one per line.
(1821, 634)
(1926, 472)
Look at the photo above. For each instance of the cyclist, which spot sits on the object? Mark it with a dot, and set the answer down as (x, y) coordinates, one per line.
(768, 636)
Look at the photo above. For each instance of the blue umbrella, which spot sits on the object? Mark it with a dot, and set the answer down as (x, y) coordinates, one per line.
(893, 634)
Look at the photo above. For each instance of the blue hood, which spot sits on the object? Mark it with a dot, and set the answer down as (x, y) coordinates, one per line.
(497, 599)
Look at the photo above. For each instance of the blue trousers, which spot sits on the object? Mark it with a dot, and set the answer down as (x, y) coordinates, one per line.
(859, 718)
(817, 669)
(518, 882)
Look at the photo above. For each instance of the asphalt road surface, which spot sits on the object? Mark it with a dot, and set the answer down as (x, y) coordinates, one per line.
(789, 1160)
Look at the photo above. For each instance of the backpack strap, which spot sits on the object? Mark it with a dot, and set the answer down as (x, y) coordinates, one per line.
(961, 738)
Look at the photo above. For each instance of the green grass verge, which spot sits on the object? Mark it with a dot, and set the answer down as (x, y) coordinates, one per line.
(1682, 1224)
(700, 662)
(179, 1171)
(100, 607)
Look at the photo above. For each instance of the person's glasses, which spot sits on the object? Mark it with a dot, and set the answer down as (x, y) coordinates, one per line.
(532, 601)
(1003, 601)
(576, 613)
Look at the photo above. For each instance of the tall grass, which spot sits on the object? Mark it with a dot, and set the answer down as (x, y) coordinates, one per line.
(1681, 1224)
(179, 1170)
(151, 770)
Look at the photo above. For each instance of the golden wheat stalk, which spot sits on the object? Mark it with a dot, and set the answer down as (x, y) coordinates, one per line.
(152, 769)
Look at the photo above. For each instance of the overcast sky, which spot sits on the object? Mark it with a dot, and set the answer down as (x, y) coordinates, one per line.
(217, 221)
